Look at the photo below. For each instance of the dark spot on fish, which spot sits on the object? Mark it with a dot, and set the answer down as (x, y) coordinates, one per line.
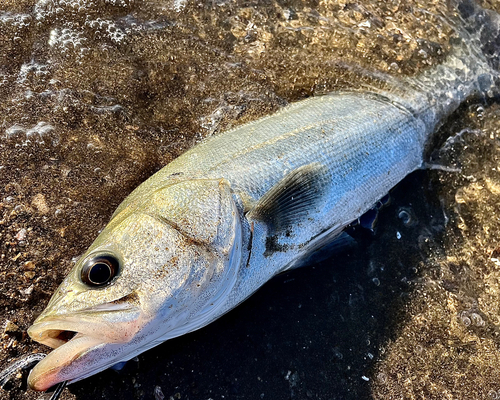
(249, 248)
(273, 246)
(131, 298)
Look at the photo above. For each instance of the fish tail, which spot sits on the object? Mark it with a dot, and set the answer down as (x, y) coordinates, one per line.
(483, 27)
(470, 68)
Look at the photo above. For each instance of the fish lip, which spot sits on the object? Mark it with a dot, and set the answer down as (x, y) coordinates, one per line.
(72, 336)
(91, 321)
(52, 329)
(50, 370)
(51, 332)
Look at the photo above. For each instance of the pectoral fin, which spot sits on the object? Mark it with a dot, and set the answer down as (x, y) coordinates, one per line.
(292, 199)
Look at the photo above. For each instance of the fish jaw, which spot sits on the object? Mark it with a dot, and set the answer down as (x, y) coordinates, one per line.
(51, 370)
(81, 348)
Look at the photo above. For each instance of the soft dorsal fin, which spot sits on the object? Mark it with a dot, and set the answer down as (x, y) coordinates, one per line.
(292, 198)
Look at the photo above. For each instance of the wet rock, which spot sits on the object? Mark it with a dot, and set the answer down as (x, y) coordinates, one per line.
(40, 203)
(158, 394)
(21, 235)
(11, 328)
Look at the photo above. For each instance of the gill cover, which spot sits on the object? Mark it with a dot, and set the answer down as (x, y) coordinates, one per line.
(202, 210)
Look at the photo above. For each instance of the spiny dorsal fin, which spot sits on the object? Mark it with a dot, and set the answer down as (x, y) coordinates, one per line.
(291, 199)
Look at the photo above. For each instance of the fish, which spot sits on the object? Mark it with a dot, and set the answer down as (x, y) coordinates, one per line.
(209, 229)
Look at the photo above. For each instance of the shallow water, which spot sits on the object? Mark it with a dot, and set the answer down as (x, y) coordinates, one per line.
(96, 95)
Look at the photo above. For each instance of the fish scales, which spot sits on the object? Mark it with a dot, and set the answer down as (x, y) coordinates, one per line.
(338, 131)
(349, 133)
(206, 231)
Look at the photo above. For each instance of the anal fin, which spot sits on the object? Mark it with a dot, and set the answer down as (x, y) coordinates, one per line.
(342, 243)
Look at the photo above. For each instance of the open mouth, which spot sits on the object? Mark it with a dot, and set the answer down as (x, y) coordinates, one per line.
(110, 322)
(56, 338)
(79, 342)
(68, 346)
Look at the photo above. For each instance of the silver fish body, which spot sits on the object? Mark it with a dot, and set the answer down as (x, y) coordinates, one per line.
(209, 229)
(350, 147)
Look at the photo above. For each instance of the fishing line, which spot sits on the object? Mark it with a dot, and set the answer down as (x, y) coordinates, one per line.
(27, 363)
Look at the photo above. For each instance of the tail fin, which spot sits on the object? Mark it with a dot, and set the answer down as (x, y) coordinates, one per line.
(484, 27)
(471, 67)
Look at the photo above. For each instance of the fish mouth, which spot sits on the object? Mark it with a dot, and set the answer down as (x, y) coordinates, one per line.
(56, 337)
(51, 370)
(78, 341)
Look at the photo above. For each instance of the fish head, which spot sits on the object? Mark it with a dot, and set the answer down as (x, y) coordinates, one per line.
(161, 268)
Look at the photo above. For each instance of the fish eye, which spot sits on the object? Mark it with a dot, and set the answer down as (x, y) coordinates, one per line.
(99, 270)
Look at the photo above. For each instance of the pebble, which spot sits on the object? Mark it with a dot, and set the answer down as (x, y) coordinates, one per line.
(40, 203)
(158, 393)
(30, 274)
(21, 235)
(11, 327)
(29, 265)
